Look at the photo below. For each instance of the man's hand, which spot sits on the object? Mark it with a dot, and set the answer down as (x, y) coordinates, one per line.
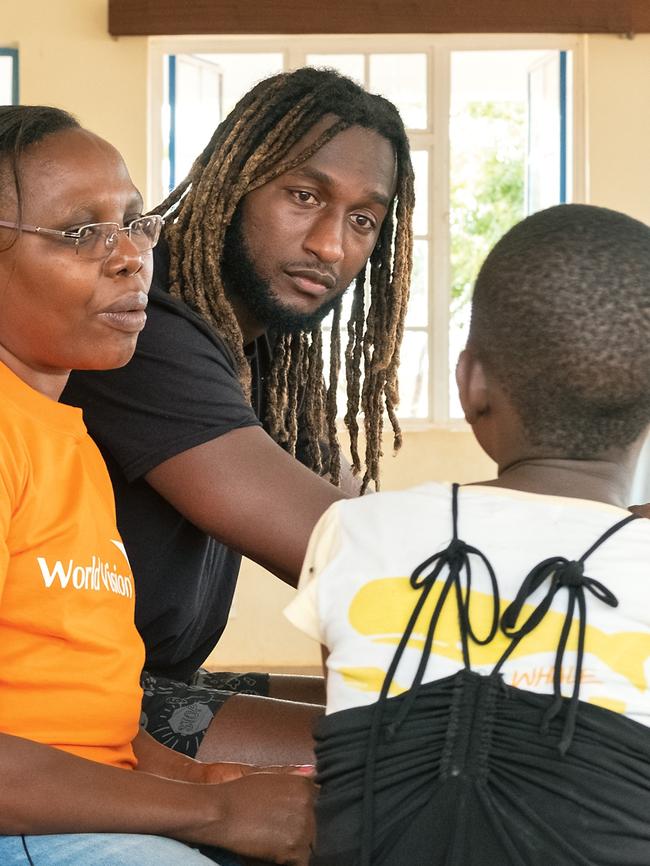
(266, 816)
(641, 510)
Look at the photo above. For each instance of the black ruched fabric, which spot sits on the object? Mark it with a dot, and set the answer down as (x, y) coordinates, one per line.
(469, 780)
(467, 771)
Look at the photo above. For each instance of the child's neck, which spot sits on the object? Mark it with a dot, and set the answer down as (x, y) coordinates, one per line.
(601, 480)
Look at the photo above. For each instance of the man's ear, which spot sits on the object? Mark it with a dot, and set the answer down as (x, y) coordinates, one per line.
(472, 386)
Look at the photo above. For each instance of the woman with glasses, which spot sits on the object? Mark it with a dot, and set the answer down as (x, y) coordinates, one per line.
(81, 782)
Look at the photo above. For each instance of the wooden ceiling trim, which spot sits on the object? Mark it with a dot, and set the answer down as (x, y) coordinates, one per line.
(217, 17)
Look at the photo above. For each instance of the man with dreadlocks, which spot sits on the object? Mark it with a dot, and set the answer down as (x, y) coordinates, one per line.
(305, 182)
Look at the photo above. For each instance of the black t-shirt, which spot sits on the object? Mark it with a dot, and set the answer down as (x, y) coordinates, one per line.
(179, 390)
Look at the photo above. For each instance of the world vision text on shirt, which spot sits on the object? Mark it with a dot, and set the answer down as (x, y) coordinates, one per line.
(96, 575)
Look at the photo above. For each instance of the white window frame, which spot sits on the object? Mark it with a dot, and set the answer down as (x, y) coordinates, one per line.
(438, 49)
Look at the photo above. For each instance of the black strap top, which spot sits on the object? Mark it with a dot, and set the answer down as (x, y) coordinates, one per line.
(382, 735)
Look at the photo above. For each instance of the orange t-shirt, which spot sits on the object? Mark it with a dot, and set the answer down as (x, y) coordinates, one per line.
(70, 656)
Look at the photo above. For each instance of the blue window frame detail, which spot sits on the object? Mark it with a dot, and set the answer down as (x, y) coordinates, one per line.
(171, 72)
(13, 54)
(563, 125)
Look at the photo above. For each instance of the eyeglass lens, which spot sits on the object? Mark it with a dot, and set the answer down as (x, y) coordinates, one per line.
(98, 240)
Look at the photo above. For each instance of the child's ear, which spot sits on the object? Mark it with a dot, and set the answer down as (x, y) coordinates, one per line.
(472, 386)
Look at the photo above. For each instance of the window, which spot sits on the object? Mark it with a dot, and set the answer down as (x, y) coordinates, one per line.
(8, 76)
(201, 89)
(508, 151)
(492, 123)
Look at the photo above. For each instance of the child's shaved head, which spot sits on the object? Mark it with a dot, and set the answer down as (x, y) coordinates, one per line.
(561, 318)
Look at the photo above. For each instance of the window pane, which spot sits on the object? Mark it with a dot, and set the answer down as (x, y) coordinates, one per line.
(351, 65)
(206, 88)
(420, 159)
(490, 162)
(418, 307)
(6, 79)
(241, 71)
(414, 365)
(414, 375)
(199, 109)
(544, 159)
(346, 310)
(402, 78)
(458, 331)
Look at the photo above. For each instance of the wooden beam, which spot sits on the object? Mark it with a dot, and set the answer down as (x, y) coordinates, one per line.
(179, 17)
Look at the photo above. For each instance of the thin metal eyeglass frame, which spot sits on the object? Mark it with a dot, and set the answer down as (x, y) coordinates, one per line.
(76, 233)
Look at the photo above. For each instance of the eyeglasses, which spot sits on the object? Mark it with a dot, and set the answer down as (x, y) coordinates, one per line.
(98, 240)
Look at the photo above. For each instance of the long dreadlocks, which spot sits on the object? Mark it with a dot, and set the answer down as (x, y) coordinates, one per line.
(247, 150)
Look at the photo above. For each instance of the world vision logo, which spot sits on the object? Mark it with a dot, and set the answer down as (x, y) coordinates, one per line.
(93, 576)
(381, 610)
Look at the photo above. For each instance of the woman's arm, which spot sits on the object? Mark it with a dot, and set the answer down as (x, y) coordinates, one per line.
(264, 815)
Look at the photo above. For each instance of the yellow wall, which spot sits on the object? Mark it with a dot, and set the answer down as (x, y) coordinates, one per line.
(68, 59)
(618, 100)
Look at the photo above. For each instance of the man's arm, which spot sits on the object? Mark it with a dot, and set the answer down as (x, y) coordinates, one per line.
(247, 492)
(158, 760)
(264, 815)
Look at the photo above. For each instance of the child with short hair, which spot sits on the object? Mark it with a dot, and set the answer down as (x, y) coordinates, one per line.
(494, 707)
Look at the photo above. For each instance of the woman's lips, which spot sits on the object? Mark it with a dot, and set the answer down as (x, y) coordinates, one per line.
(127, 313)
(130, 321)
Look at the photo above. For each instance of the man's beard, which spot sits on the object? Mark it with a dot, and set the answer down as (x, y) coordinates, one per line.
(242, 280)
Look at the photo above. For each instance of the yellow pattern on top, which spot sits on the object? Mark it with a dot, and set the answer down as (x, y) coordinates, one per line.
(381, 610)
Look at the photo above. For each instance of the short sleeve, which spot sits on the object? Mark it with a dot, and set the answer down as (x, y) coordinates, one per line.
(6, 510)
(179, 390)
(303, 610)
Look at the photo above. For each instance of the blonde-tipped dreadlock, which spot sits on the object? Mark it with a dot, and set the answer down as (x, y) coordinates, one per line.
(246, 151)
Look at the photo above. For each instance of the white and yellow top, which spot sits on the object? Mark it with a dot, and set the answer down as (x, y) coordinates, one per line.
(355, 597)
